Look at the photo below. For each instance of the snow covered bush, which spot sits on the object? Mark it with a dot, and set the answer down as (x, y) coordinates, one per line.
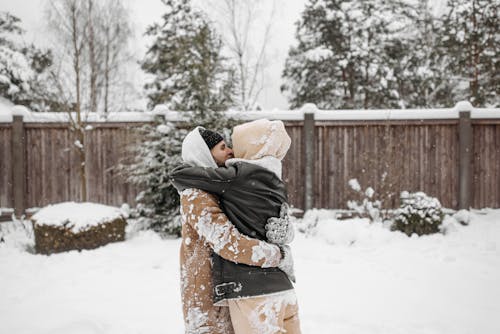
(367, 206)
(418, 213)
(451, 223)
(75, 226)
(17, 233)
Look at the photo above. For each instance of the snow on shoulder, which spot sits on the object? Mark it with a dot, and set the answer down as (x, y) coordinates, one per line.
(77, 216)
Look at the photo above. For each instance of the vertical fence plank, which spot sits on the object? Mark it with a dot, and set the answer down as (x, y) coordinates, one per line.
(6, 165)
(465, 162)
(18, 164)
(309, 157)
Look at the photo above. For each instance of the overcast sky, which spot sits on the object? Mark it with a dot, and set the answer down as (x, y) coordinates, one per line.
(145, 12)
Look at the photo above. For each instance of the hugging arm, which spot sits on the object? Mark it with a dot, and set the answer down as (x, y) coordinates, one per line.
(212, 180)
(216, 181)
(202, 211)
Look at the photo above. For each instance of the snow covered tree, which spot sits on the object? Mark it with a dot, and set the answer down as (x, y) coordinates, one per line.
(155, 157)
(22, 67)
(342, 58)
(188, 75)
(469, 39)
(188, 71)
(15, 72)
(419, 65)
(394, 54)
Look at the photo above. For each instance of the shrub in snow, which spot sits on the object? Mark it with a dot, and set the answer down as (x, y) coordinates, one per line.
(309, 221)
(451, 223)
(18, 233)
(463, 217)
(76, 226)
(367, 206)
(418, 213)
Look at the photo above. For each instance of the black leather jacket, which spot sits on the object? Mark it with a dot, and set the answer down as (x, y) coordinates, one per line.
(249, 195)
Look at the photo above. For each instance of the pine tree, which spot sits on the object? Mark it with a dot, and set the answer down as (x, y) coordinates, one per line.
(190, 77)
(344, 55)
(185, 61)
(15, 70)
(420, 68)
(155, 157)
(22, 68)
(469, 39)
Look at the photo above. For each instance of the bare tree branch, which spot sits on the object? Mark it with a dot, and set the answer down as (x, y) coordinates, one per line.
(240, 20)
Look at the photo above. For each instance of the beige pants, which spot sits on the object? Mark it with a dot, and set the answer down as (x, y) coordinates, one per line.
(265, 315)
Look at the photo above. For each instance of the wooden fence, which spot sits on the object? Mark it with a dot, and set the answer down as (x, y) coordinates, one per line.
(452, 154)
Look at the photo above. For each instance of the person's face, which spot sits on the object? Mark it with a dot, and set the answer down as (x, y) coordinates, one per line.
(221, 152)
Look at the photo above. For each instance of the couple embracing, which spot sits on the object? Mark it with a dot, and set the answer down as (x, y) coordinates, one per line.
(236, 266)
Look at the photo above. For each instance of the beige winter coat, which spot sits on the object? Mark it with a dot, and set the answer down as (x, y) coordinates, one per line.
(205, 228)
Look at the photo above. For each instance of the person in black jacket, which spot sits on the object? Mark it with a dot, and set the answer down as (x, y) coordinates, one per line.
(251, 192)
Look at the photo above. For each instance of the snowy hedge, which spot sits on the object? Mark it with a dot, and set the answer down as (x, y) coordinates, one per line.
(76, 226)
(418, 213)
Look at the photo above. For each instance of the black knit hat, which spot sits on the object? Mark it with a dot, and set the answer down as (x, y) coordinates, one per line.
(211, 138)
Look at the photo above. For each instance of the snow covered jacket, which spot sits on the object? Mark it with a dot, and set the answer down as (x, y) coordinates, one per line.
(249, 194)
(250, 191)
(205, 230)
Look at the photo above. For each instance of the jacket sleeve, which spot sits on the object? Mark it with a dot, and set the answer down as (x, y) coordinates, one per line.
(201, 210)
(212, 180)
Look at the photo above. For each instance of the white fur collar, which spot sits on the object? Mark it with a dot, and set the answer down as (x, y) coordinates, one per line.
(271, 163)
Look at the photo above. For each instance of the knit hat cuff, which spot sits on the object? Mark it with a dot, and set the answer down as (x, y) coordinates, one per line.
(211, 138)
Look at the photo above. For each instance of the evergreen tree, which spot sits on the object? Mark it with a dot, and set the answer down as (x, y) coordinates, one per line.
(189, 76)
(155, 157)
(469, 39)
(420, 68)
(15, 70)
(394, 54)
(23, 69)
(341, 60)
(185, 61)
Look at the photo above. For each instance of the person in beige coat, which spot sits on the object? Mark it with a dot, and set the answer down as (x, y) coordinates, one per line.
(207, 230)
(253, 306)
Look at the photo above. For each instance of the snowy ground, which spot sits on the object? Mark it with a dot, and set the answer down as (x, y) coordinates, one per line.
(352, 277)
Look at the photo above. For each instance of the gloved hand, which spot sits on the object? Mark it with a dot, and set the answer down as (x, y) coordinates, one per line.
(280, 230)
(286, 263)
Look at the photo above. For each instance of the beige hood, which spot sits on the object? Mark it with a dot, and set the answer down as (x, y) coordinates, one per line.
(260, 138)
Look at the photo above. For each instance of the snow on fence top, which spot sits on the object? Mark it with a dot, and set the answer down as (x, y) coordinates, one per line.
(76, 216)
(7, 112)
